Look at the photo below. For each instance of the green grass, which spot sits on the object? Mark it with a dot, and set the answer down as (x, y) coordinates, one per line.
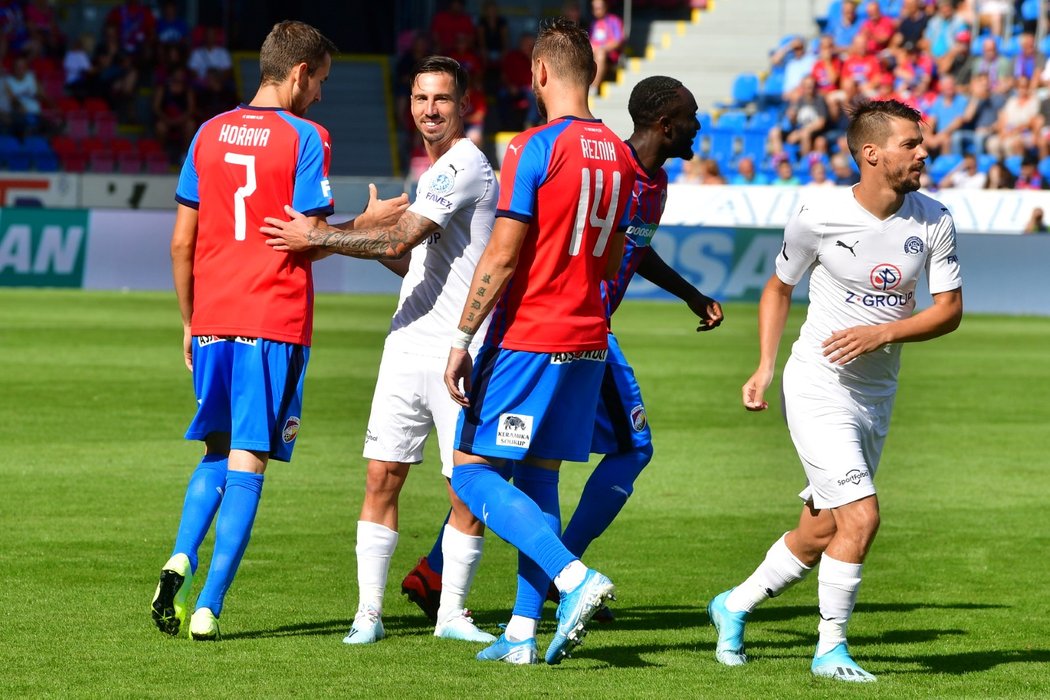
(93, 467)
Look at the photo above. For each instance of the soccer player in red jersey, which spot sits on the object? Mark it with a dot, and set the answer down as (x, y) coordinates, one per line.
(532, 394)
(247, 312)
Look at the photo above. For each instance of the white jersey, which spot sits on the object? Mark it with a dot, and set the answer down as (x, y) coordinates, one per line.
(864, 272)
(458, 193)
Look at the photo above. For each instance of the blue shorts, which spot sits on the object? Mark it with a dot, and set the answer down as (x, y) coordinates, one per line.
(250, 388)
(621, 424)
(531, 403)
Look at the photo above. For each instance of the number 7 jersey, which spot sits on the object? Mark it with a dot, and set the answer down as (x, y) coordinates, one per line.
(243, 166)
(570, 181)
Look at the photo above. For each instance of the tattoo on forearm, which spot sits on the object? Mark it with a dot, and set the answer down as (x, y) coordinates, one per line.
(475, 304)
(486, 278)
(481, 291)
(470, 317)
(388, 242)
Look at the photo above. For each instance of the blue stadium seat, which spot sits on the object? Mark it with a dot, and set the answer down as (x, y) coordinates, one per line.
(1044, 45)
(771, 92)
(744, 92)
(1044, 168)
(985, 161)
(975, 47)
(942, 165)
(673, 166)
(1013, 164)
(1010, 46)
(1030, 10)
(834, 8)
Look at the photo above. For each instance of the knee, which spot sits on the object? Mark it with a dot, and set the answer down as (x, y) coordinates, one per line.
(382, 483)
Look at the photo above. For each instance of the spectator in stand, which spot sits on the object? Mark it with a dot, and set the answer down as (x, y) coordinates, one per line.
(1043, 141)
(171, 27)
(23, 92)
(711, 173)
(174, 110)
(841, 104)
(911, 24)
(43, 29)
(994, 66)
(794, 62)
(943, 27)
(746, 173)
(13, 28)
(844, 27)
(1026, 62)
(571, 11)
(785, 173)
(965, 175)
(942, 116)
(477, 109)
(1029, 178)
(607, 40)
(492, 42)
(404, 71)
(169, 58)
(215, 96)
(999, 177)
(211, 54)
(136, 27)
(914, 69)
(828, 66)
(878, 29)
(978, 121)
(1018, 123)
(818, 174)
(517, 102)
(449, 23)
(804, 121)
(859, 65)
(843, 172)
(76, 65)
(463, 53)
(956, 60)
(991, 14)
(692, 172)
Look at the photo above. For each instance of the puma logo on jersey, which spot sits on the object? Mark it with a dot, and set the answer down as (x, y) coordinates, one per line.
(453, 169)
(514, 148)
(784, 251)
(850, 248)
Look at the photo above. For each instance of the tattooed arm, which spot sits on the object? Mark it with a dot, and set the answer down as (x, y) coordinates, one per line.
(298, 234)
(491, 276)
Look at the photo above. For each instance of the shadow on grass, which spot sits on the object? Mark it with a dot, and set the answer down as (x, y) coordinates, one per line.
(400, 625)
(965, 662)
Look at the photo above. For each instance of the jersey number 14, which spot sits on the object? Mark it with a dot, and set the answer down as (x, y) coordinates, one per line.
(583, 217)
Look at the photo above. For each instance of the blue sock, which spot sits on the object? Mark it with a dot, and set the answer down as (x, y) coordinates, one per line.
(512, 515)
(203, 495)
(541, 485)
(436, 560)
(233, 529)
(604, 496)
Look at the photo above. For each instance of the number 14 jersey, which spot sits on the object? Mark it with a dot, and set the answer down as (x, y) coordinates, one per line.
(570, 181)
(243, 166)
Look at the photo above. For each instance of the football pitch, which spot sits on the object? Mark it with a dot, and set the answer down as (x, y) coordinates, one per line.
(93, 468)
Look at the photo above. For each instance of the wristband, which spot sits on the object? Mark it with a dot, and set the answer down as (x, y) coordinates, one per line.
(462, 340)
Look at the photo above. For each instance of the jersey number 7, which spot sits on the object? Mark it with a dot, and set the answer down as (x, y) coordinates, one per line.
(605, 222)
(240, 223)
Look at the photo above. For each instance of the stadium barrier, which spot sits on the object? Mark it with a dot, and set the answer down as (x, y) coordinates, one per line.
(723, 240)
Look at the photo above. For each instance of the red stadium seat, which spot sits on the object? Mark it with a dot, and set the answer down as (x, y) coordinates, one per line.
(78, 125)
(157, 163)
(129, 162)
(105, 125)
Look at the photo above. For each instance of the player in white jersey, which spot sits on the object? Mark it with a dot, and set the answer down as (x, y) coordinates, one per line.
(446, 229)
(865, 248)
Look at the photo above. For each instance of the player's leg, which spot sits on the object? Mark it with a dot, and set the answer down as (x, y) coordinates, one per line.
(377, 537)
(266, 387)
(422, 585)
(622, 434)
(213, 364)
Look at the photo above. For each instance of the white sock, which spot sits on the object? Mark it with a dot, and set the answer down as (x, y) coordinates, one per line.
(837, 586)
(462, 556)
(571, 576)
(520, 628)
(375, 546)
(778, 571)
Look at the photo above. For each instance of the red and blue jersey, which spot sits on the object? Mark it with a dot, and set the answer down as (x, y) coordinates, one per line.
(570, 181)
(643, 218)
(243, 166)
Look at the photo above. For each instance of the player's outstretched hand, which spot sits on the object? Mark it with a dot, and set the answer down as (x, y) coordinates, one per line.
(458, 370)
(292, 235)
(755, 389)
(708, 310)
(187, 347)
(842, 347)
(381, 212)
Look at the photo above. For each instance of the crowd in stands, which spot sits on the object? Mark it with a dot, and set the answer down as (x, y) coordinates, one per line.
(973, 68)
(126, 100)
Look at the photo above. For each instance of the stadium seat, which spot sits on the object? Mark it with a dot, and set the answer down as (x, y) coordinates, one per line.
(40, 154)
(129, 162)
(985, 161)
(942, 165)
(120, 145)
(156, 163)
(1044, 168)
(744, 91)
(149, 145)
(104, 125)
(834, 8)
(78, 125)
(673, 166)
(1030, 11)
(95, 105)
(1013, 164)
(771, 92)
(1044, 45)
(102, 160)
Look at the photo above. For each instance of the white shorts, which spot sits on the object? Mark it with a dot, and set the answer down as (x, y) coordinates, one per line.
(837, 434)
(410, 398)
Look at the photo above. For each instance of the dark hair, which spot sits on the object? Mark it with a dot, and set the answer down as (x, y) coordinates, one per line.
(651, 98)
(567, 48)
(287, 45)
(870, 120)
(443, 64)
